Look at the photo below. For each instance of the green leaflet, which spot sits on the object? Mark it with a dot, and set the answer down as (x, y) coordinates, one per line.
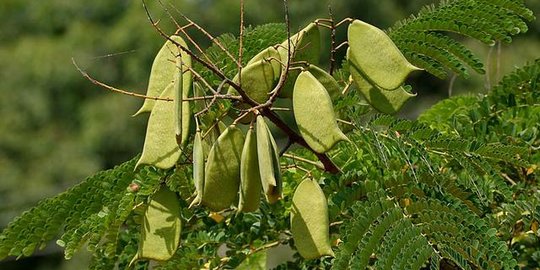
(162, 73)
(160, 147)
(250, 178)
(268, 158)
(384, 101)
(329, 83)
(377, 56)
(306, 46)
(314, 114)
(257, 80)
(161, 227)
(309, 221)
(183, 83)
(272, 56)
(198, 166)
(222, 173)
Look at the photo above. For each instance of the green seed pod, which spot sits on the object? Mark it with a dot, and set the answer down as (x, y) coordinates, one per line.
(272, 56)
(309, 221)
(306, 46)
(329, 83)
(198, 166)
(314, 114)
(268, 157)
(183, 83)
(161, 227)
(250, 178)
(257, 80)
(222, 173)
(160, 147)
(385, 101)
(377, 56)
(162, 73)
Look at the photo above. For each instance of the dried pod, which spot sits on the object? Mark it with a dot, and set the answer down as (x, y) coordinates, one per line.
(222, 172)
(377, 56)
(309, 221)
(314, 114)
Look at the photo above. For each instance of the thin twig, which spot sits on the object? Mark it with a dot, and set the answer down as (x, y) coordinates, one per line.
(209, 66)
(241, 43)
(207, 34)
(114, 89)
(301, 159)
(333, 41)
(499, 51)
(451, 85)
(487, 81)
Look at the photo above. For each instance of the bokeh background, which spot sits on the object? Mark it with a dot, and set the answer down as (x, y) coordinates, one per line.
(56, 127)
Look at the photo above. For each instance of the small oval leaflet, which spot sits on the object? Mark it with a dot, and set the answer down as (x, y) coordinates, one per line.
(198, 167)
(161, 227)
(309, 221)
(268, 159)
(250, 179)
(314, 114)
(160, 148)
(385, 101)
(222, 173)
(377, 56)
(162, 73)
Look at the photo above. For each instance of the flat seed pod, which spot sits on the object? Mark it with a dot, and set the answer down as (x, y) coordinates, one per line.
(314, 114)
(385, 101)
(198, 166)
(306, 47)
(268, 159)
(377, 56)
(329, 83)
(222, 173)
(257, 80)
(272, 56)
(160, 147)
(183, 84)
(309, 221)
(162, 73)
(161, 227)
(250, 179)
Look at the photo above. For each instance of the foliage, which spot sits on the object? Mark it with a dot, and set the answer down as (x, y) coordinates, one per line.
(455, 189)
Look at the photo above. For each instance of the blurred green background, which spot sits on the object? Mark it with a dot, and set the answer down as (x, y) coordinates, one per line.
(56, 127)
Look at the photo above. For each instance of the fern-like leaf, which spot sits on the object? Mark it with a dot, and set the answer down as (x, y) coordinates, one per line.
(420, 38)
